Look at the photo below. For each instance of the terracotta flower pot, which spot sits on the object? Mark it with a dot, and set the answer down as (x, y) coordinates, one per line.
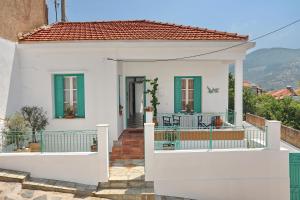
(218, 122)
(35, 147)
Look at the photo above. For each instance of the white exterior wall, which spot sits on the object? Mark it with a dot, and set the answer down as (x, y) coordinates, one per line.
(82, 168)
(7, 59)
(222, 175)
(39, 61)
(100, 78)
(213, 73)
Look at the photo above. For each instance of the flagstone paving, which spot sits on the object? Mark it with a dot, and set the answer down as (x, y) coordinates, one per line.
(127, 170)
(14, 191)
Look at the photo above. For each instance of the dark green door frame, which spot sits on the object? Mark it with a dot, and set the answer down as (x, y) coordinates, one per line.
(126, 95)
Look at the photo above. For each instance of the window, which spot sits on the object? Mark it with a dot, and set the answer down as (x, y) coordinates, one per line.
(69, 95)
(70, 92)
(187, 94)
(187, 91)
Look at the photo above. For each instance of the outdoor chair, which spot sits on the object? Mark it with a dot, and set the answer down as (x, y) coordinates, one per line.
(176, 120)
(166, 121)
(201, 124)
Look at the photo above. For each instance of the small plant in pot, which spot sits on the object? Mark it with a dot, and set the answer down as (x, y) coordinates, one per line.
(14, 132)
(69, 112)
(37, 120)
(94, 145)
(188, 108)
(170, 138)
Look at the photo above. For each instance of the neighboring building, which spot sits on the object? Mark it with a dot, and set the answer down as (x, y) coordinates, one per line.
(18, 16)
(255, 88)
(286, 92)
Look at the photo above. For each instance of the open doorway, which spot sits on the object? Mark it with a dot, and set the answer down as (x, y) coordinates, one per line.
(135, 101)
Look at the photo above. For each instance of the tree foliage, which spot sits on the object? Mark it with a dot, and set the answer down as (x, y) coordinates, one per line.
(36, 117)
(285, 110)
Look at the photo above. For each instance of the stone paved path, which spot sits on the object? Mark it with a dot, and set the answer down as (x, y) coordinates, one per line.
(13, 191)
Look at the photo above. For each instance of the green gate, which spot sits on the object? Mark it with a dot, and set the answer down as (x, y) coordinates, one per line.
(294, 159)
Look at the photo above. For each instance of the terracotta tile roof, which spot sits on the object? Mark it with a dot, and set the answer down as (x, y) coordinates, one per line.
(280, 94)
(125, 30)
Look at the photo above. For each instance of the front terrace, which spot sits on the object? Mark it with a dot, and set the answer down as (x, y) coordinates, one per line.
(178, 131)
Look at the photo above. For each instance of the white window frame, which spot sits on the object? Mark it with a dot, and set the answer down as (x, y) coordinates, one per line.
(187, 89)
(71, 91)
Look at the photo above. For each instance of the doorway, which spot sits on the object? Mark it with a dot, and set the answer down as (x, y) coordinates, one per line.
(135, 101)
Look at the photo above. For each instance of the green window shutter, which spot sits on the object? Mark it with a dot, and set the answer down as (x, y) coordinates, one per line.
(197, 94)
(80, 96)
(59, 95)
(177, 94)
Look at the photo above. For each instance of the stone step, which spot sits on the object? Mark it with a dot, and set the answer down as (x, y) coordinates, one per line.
(126, 194)
(58, 186)
(126, 157)
(13, 176)
(122, 184)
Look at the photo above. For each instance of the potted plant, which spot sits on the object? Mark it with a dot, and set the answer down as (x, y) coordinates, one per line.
(37, 120)
(94, 145)
(218, 122)
(69, 112)
(170, 138)
(154, 100)
(188, 108)
(15, 129)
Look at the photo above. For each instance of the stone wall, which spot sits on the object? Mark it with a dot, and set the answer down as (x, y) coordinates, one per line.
(21, 16)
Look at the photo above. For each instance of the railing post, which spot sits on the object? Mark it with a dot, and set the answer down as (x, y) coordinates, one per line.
(273, 134)
(102, 145)
(41, 143)
(210, 137)
(149, 116)
(149, 150)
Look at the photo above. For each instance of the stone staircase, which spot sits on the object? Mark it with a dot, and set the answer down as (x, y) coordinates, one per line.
(126, 181)
(28, 182)
(129, 146)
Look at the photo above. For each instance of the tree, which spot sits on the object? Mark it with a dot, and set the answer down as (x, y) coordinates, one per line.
(14, 129)
(249, 101)
(231, 92)
(36, 117)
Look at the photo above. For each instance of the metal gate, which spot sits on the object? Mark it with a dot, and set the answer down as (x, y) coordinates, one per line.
(294, 159)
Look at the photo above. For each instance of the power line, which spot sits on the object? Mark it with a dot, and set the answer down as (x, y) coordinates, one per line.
(216, 51)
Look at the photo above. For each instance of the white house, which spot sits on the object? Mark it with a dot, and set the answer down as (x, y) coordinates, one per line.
(85, 73)
(99, 68)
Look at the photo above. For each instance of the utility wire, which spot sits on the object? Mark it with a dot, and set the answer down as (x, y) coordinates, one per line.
(216, 51)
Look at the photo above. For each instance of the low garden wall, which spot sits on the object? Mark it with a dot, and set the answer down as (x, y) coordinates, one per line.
(287, 134)
(290, 135)
(255, 120)
(222, 174)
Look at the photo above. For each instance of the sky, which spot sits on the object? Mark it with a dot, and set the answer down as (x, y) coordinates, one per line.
(249, 17)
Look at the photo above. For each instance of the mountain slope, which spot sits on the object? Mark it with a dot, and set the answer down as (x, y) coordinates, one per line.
(273, 68)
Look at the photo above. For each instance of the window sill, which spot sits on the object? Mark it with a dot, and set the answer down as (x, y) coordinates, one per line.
(75, 118)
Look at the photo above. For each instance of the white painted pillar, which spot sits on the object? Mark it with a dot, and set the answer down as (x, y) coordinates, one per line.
(149, 151)
(149, 116)
(238, 89)
(103, 151)
(273, 134)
